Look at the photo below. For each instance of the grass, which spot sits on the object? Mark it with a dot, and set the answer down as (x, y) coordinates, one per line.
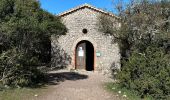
(122, 92)
(21, 94)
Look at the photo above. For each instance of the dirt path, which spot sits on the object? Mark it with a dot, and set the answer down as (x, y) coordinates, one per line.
(78, 86)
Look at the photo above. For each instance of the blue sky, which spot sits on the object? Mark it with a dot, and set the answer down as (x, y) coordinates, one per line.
(59, 6)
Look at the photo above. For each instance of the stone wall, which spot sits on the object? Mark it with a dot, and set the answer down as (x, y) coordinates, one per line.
(86, 19)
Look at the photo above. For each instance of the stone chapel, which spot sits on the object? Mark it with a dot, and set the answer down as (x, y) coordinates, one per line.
(84, 47)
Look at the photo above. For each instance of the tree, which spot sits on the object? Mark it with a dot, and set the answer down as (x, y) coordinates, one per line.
(25, 30)
(144, 40)
(142, 24)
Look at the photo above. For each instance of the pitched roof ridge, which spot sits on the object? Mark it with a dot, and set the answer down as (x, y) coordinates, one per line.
(89, 6)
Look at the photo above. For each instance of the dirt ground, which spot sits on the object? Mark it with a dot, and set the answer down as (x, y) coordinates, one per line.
(65, 85)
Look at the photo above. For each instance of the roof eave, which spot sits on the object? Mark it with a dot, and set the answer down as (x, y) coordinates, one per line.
(87, 6)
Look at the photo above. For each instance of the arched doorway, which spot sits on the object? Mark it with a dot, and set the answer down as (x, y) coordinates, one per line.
(84, 55)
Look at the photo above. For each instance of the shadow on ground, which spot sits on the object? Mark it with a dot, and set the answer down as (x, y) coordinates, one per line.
(56, 78)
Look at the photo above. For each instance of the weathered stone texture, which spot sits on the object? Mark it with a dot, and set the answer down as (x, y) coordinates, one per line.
(87, 19)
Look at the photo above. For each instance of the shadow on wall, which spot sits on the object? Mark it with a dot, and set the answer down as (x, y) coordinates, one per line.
(56, 78)
(59, 58)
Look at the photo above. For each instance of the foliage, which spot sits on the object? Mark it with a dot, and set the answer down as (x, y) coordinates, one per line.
(25, 31)
(16, 70)
(144, 40)
(142, 24)
(125, 93)
(28, 27)
(148, 73)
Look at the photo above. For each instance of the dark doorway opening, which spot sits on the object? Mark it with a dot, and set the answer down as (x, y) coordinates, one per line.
(85, 55)
(89, 56)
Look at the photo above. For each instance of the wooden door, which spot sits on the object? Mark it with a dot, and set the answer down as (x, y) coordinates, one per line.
(81, 56)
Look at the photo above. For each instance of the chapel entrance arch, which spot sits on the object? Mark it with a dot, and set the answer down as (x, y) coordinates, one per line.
(84, 57)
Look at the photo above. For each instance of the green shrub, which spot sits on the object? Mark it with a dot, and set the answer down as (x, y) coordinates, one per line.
(147, 73)
(25, 31)
(14, 69)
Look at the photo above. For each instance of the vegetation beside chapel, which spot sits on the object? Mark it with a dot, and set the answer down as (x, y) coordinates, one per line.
(144, 40)
(25, 31)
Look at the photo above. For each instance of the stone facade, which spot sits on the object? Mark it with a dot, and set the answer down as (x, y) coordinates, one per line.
(85, 17)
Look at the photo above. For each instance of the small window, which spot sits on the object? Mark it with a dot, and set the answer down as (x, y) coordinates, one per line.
(84, 31)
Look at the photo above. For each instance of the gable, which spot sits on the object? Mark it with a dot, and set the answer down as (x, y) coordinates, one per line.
(88, 7)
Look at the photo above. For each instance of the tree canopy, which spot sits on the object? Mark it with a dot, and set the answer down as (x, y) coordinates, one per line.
(25, 31)
(144, 40)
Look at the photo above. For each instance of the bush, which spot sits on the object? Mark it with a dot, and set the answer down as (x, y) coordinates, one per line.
(147, 73)
(25, 31)
(14, 70)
